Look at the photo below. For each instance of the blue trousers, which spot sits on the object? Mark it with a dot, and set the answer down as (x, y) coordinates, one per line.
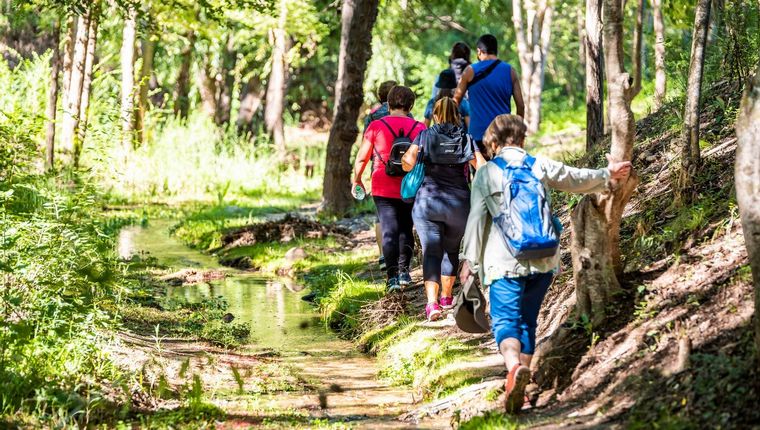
(515, 303)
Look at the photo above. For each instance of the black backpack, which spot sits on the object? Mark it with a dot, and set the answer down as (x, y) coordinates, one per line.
(445, 147)
(401, 144)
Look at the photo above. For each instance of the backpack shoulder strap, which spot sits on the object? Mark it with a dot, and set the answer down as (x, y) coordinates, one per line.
(500, 162)
(484, 73)
(529, 160)
(395, 136)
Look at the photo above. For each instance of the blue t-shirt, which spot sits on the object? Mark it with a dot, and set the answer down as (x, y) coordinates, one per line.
(464, 109)
(490, 97)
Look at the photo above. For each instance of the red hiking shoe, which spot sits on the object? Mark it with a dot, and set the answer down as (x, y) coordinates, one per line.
(517, 379)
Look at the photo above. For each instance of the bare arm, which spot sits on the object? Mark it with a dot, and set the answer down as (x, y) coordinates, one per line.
(467, 76)
(409, 160)
(362, 158)
(517, 94)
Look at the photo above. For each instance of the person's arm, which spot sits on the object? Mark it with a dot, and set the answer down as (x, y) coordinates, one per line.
(566, 178)
(362, 158)
(474, 234)
(517, 94)
(409, 160)
(467, 76)
(467, 121)
(427, 122)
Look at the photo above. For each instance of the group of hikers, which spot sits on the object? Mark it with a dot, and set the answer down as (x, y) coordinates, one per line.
(477, 197)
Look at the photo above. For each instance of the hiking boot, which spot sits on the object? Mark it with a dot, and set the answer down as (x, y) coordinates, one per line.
(381, 263)
(447, 302)
(392, 286)
(517, 379)
(404, 278)
(433, 312)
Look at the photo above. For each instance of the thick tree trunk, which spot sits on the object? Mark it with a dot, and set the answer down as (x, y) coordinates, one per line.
(357, 19)
(596, 220)
(128, 81)
(68, 56)
(250, 102)
(594, 75)
(52, 100)
(748, 186)
(84, 104)
(70, 121)
(146, 73)
(660, 80)
(532, 46)
(690, 157)
(181, 97)
(207, 89)
(277, 86)
(224, 101)
(638, 41)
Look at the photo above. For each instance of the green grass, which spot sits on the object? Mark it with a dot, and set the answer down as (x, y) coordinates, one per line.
(491, 421)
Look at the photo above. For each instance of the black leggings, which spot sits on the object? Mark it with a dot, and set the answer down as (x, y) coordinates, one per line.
(398, 239)
(440, 224)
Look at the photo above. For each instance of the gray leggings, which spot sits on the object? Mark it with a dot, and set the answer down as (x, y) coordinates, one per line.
(440, 223)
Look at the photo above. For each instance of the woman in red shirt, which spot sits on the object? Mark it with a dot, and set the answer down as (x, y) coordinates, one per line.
(395, 215)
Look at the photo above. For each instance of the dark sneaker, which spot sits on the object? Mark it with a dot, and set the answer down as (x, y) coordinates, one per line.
(517, 379)
(433, 312)
(381, 262)
(404, 278)
(447, 302)
(392, 285)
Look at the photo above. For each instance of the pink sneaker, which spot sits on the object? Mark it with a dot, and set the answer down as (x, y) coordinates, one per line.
(433, 311)
(447, 302)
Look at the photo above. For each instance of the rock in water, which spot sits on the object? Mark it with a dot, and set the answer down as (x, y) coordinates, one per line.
(228, 317)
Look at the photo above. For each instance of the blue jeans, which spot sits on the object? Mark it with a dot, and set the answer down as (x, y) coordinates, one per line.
(515, 303)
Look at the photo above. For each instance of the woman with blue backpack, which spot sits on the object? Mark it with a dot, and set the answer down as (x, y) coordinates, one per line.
(512, 239)
(443, 200)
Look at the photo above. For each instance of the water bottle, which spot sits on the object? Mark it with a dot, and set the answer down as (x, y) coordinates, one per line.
(359, 192)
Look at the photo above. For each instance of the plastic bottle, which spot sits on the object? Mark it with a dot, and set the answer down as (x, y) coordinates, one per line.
(359, 192)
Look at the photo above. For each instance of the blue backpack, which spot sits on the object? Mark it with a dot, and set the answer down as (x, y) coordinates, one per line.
(525, 221)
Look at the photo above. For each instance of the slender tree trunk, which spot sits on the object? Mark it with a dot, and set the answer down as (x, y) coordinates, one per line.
(594, 75)
(70, 121)
(52, 101)
(540, 50)
(128, 80)
(524, 53)
(357, 19)
(638, 41)
(84, 104)
(68, 56)
(581, 27)
(748, 186)
(146, 73)
(224, 102)
(250, 102)
(690, 157)
(533, 44)
(596, 219)
(181, 97)
(207, 89)
(277, 86)
(660, 80)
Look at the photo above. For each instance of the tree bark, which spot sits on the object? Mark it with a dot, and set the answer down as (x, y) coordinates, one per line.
(357, 19)
(596, 219)
(277, 86)
(181, 98)
(70, 121)
(207, 89)
(250, 102)
(128, 80)
(224, 101)
(660, 80)
(748, 186)
(52, 101)
(146, 73)
(637, 47)
(89, 62)
(540, 51)
(68, 56)
(594, 75)
(690, 157)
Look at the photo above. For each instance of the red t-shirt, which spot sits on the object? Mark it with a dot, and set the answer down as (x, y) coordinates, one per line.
(382, 140)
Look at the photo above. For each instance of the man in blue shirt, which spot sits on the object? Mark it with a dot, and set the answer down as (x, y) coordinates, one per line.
(490, 85)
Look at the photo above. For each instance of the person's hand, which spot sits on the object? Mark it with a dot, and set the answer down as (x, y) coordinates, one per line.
(619, 170)
(465, 272)
(353, 187)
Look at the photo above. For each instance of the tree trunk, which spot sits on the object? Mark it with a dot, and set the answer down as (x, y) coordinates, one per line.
(690, 157)
(181, 98)
(596, 219)
(594, 75)
(70, 121)
(357, 19)
(250, 102)
(581, 27)
(277, 86)
(146, 73)
(68, 56)
(637, 45)
(540, 50)
(524, 53)
(89, 62)
(660, 80)
(128, 81)
(52, 101)
(207, 89)
(748, 186)
(224, 102)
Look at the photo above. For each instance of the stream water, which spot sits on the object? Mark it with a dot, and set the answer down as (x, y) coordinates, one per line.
(281, 322)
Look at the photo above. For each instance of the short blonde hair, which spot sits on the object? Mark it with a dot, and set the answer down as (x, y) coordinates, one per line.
(505, 130)
(446, 111)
